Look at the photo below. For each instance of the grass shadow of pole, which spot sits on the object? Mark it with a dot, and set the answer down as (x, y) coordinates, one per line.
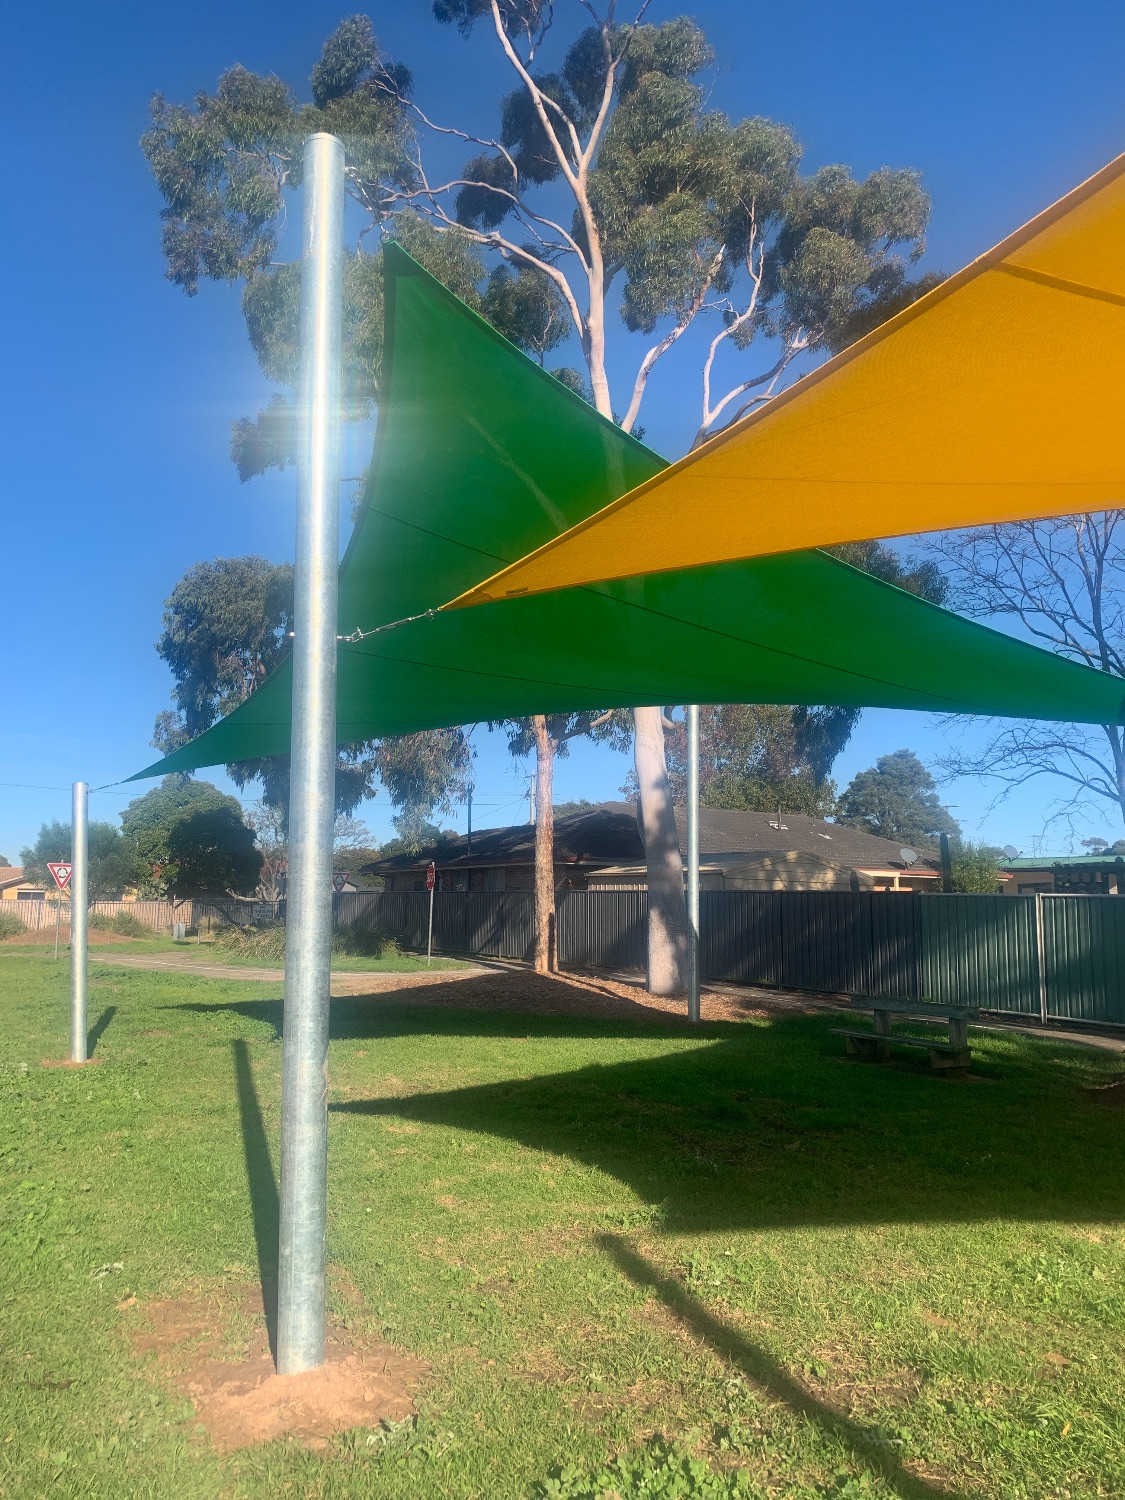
(99, 1028)
(265, 1203)
(767, 1374)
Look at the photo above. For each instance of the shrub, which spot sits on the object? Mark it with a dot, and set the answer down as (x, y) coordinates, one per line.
(253, 942)
(364, 942)
(269, 942)
(10, 925)
(123, 923)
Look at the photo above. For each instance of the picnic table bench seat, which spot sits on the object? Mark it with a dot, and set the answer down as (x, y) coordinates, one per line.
(951, 1057)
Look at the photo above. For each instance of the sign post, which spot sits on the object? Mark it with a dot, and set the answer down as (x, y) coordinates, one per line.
(79, 900)
(431, 881)
(693, 861)
(60, 874)
(308, 937)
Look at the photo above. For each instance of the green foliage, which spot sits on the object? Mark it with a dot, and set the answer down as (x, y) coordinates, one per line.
(5, 864)
(112, 866)
(528, 309)
(226, 627)
(10, 924)
(189, 839)
(689, 205)
(976, 867)
(897, 799)
(923, 578)
(123, 923)
(657, 1471)
(757, 756)
(577, 805)
(268, 943)
(424, 773)
(222, 166)
(799, 793)
(416, 835)
(1103, 846)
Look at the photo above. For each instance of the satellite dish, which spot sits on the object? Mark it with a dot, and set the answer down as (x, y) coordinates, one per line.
(1010, 852)
(908, 856)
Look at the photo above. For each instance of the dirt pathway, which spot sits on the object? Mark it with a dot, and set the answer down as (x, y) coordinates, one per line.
(498, 985)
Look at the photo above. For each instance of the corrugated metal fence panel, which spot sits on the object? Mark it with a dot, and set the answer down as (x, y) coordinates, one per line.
(496, 924)
(739, 934)
(1084, 941)
(602, 929)
(824, 940)
(980, 950)
(401, 915)
(493, 924)
(858, 942)
(975, 950)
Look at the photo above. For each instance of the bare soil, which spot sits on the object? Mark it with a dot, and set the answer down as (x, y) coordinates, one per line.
(45, 938)
(571, 994)
(213, 1346)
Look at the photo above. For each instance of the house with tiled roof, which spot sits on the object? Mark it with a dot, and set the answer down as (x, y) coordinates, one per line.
(601, 848)
(15, 887)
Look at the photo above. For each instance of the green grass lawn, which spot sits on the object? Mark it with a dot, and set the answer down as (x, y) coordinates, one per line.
(208, 953)
(640, 1260)
(342, 963)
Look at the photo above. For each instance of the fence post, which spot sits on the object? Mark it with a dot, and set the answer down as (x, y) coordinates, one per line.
(1041, 957)
(693, 861)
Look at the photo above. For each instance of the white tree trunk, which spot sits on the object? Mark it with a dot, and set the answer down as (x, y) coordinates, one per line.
(667, 907)
(545, 955)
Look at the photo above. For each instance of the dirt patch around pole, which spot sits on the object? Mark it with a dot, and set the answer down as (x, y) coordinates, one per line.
(214, 1347)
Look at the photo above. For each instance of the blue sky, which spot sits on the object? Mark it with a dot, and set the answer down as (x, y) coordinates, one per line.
(118, 392)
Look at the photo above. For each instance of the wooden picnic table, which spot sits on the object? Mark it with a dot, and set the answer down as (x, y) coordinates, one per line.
(951, 1057)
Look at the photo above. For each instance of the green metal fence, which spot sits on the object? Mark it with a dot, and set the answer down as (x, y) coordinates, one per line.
(1056, 957)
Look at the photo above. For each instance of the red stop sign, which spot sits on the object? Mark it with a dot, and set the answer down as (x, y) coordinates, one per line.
(431, 875)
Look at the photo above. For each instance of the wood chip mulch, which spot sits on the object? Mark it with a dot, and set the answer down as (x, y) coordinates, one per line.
(591, 996)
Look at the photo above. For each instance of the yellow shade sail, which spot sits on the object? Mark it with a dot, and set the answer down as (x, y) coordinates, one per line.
(999, 396)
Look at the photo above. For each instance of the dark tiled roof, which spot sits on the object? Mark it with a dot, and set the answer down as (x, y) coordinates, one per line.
(608, 835)
(10, 875)
(729, 831)
(605, 835)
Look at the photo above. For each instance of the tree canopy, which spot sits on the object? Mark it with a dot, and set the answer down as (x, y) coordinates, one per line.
(189, 839)
(897, 799)
(611, 188)
(679, 213)
(112, 866)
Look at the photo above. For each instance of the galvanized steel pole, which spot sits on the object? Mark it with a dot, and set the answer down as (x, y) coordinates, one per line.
(79, 901)
(308, 942)
(693, 860)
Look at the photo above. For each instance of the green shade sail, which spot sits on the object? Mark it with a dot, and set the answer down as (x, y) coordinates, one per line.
(480, 458)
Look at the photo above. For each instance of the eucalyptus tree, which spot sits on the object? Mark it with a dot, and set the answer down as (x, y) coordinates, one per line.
(690, 214)
(225, 629)
(549, 737)
(611, 201)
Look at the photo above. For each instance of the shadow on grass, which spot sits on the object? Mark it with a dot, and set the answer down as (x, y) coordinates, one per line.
(367, 1017)
(768, 1125)
(99, 1029)
(264, 1200)
(767, 1374)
